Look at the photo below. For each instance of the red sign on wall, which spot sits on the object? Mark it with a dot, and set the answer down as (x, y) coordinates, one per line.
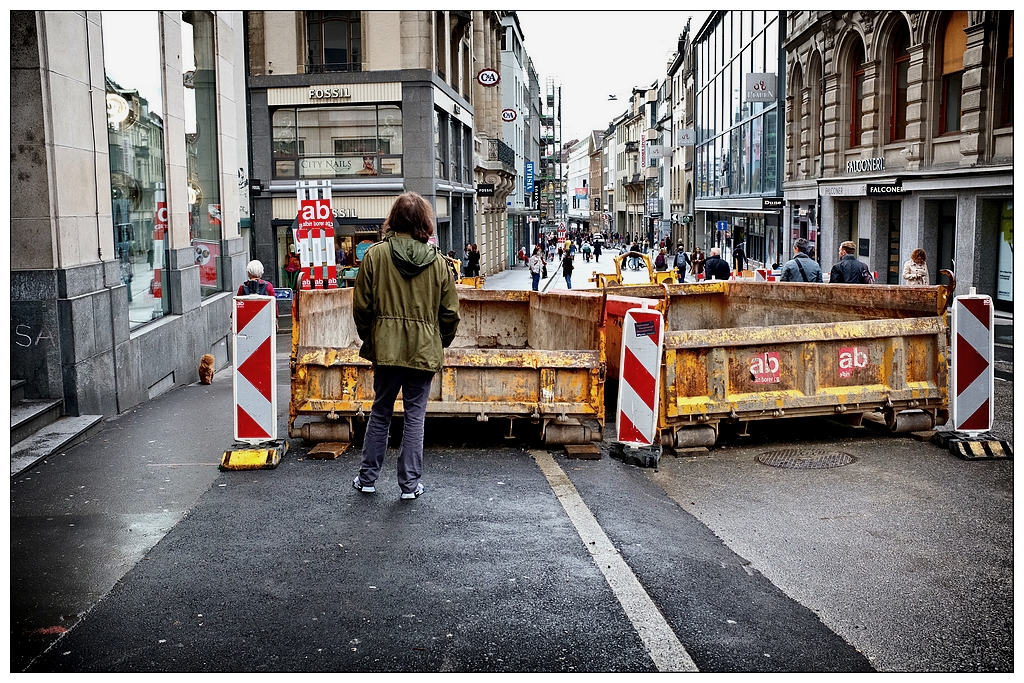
(765, 368)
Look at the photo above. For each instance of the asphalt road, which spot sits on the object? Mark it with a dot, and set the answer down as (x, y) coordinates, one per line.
(132, 552)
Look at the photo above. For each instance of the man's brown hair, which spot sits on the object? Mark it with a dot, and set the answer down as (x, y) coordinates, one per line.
(848, 247)
(411, 214)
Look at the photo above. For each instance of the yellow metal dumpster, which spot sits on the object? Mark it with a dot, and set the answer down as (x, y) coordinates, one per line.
(742, 351)
(517, 354)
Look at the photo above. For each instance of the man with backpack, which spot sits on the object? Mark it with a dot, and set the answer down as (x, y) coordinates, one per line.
(682, 262)
(850, 269)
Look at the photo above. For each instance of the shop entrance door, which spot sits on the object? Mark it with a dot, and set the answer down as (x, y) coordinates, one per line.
(889, 213)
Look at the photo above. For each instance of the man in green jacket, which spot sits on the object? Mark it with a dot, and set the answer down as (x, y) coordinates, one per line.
(406, 312)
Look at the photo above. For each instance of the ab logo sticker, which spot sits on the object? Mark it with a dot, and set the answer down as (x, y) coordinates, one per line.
(852, 358)
(316, 213)
(765, 368)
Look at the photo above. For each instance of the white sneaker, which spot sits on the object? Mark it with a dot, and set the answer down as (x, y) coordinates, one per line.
(359, 487)
(415, 494)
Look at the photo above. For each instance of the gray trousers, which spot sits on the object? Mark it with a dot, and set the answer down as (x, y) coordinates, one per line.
(415, 386)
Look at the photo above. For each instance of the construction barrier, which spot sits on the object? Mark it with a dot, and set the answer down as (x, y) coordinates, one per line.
(972, 388)
(517, 355)
(255, 372)
(741, 351)
(636, 414)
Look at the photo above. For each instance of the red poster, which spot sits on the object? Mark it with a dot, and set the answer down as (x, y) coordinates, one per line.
(206, 258)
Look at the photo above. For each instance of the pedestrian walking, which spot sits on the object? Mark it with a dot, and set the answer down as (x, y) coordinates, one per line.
(716, 267)
(661, 260)
(536, 267)
(406, 312)
(597, 251)
(587, 249)
(697, 263)
(681, 262)
(915, 272)
(567, 267)
(801, 268)
(739, 258)
(255, 284)
(849, 269)
(472, 261)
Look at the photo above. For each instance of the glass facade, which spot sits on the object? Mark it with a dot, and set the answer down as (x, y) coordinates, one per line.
(737, 139)
(135, 138)
(199, 59)
(337, 142)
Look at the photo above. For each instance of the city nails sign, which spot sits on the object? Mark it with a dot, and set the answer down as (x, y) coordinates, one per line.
(488, 77)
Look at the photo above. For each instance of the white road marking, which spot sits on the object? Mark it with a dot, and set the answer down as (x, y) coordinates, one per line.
(658, 637)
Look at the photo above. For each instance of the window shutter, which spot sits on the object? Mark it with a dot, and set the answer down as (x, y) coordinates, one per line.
(954, 44)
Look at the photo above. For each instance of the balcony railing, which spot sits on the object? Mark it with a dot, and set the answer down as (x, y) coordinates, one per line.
(497, 150)
(333, 67)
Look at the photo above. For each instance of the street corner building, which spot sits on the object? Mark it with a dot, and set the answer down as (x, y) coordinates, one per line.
(899, 135)
(128, 219)
(379, 103)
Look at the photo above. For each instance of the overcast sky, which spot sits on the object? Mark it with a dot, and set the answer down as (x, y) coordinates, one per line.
(594, 54)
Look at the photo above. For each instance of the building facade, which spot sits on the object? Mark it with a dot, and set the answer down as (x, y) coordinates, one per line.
(350, 97)
(577, 180)
(739, 78)
(129, 144)
(900, 136)
(680, 81)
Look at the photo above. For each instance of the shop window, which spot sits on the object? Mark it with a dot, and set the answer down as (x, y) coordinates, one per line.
(954, 44)
(441, 131)
(857, 94)
(135, 139)
(334, 41)
(199, 57)
(337, 142)
(900, 56)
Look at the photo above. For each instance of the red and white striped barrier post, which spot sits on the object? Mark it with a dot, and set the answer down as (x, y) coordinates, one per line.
(972, 378)
(255, 377)
(636, 410)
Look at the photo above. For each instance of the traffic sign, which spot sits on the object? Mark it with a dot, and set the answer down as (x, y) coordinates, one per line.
(722, 226)
(972, 375)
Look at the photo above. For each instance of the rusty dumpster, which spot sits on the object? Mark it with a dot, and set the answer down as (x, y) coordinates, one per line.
(741, 351)
(517, 355)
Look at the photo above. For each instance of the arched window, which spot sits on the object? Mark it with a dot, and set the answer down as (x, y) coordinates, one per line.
(857, 93)
(954, 44)
(1004, 64)
(900, 56)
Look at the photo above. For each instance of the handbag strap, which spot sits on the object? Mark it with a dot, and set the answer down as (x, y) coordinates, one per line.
(802, 273)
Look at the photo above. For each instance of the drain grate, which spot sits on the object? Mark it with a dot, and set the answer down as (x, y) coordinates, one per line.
(805, 459)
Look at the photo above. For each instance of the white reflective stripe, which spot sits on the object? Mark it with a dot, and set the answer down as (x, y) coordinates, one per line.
(644, 347)
(637, 411)
(257, 331)
(255, 404)
(658, 637)
(974, 332)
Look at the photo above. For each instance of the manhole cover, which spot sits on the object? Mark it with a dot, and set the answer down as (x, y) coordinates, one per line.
(806, 459)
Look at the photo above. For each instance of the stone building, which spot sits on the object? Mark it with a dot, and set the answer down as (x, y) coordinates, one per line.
(899, 135)
(379, 103)
(128, 147)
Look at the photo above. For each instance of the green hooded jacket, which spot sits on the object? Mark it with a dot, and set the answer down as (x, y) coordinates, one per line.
(406, 308)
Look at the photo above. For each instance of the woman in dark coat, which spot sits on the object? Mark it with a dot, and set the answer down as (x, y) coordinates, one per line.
(567, 267)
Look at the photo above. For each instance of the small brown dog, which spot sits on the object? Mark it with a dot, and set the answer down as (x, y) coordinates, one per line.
(206, 369)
